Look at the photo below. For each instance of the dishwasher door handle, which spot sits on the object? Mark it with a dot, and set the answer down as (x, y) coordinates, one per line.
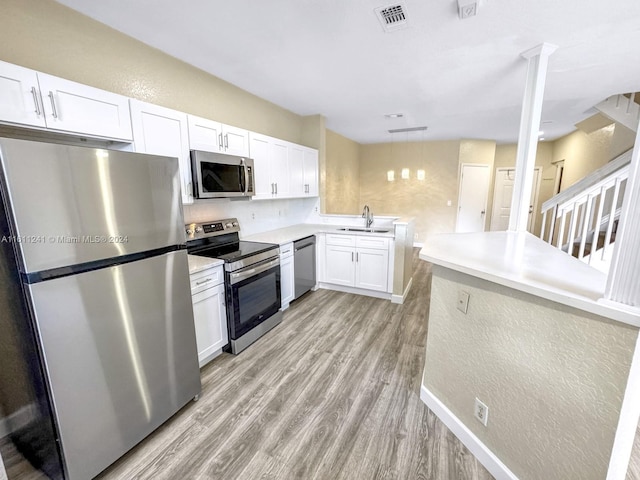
(305, 246)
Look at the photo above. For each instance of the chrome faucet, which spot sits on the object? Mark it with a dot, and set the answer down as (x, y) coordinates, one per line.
(368, 216)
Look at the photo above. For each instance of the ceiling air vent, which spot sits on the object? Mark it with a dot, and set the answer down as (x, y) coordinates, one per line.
(392, 17)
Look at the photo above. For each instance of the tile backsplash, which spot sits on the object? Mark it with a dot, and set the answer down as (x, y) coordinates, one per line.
(254, 216)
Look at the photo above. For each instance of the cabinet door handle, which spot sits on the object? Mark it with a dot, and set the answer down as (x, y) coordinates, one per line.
(272, 189)
(276, 188)
(34, 92)
(226, 141)
(352, 256)
(204, 281)
(357, 260)
(54, 112)
(220, 145)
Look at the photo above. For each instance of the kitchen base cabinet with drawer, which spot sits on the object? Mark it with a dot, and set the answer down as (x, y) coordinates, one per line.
(209, 313)
(358, 264)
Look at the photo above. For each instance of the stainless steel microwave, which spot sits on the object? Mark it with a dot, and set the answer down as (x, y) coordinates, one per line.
(218, 175)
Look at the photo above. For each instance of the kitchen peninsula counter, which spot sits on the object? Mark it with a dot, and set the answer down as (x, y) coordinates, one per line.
(520, 326)
(526, 263)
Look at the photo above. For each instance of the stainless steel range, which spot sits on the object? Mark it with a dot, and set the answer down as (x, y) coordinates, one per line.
(252, 278)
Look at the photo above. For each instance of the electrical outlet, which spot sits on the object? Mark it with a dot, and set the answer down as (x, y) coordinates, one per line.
(415, 236)
(316, 209)
(253, 216)
(463, 301)
(481, 412)
(448, 203)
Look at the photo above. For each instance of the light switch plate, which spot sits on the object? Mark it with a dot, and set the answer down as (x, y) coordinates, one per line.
(463, 301)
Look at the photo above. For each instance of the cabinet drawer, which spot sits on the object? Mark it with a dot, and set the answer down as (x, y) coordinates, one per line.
(340, 240)
(286, 250)
(206, 279)
(381, 243)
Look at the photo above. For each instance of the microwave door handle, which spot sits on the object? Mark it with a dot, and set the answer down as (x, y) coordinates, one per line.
(244, 182)
(243, 177)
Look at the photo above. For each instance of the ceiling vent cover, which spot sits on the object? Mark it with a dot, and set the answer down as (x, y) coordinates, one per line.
(392, 17)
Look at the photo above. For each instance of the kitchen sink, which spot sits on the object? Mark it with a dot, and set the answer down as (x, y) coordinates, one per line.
(368, 230)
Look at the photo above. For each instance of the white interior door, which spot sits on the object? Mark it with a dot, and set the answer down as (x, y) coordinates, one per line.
(502, 194)
(472, 200)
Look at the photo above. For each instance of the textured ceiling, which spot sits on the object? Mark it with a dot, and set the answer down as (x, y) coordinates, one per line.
(461, 78)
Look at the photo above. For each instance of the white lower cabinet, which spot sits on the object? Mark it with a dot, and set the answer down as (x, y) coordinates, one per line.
(355, 261)
(209, 313)
(287, 278)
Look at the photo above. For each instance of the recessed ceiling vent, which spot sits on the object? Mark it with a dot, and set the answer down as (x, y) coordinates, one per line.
(392, 17)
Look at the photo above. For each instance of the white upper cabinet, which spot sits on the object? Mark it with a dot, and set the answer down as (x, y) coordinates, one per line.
(283, 169)
(310, 172)
(20, 96)
(204, 134)
(259, 152)
(296, 170)
(303, 171)
(73, 107)
(279, 165)
(211, 136)
(271, 171)
(162, 131)
(36, 99)
(235, 140)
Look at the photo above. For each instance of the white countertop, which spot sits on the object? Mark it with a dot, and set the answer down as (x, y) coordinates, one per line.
(285, 235)
(524, 262)
(198, 264)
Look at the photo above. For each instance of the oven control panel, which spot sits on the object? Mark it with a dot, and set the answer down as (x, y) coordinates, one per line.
(208, 229)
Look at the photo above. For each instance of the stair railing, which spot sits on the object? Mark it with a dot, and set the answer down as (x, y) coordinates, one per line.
(577, 216)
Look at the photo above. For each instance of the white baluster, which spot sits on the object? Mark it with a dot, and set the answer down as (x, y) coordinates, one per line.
(585, 226)
(563, 221)
(553, 224)
(572, 228)
(612, 215)
(596, 234)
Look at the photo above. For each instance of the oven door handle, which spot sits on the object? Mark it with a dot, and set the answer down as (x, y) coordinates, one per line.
(244, 274)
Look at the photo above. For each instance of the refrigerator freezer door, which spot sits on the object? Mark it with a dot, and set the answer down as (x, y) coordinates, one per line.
(119, 348)
(73, 204)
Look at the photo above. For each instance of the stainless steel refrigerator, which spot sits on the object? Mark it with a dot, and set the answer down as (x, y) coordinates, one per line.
(97, 340)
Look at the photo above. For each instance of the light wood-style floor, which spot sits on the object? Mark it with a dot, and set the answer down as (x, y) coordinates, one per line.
(331, 393)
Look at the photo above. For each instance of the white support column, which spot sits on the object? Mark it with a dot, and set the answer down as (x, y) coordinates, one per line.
(623, 282)
(538, 58)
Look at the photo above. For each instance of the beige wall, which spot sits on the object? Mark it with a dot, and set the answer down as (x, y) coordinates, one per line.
(425, 200)
(46, 36)
(583, 153)
(553, 377)
(342, 170)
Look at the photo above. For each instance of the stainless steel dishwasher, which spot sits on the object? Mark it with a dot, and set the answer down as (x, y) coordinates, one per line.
(304, 265)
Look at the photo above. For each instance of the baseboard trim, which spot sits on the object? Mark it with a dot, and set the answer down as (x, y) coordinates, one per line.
(485, 456)
(356, 291)
(401, 298)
